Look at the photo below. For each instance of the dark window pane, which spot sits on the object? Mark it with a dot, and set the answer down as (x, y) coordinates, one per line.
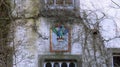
(48, 65)
(56, 65)
(72, 65)
(68, 2)
(60, 2)
(50, 2)
(64, 65)
(116, 61)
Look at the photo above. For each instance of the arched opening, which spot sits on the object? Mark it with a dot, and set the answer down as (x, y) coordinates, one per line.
(64, 65)
(56, 65)
(48, 65)
(72, 65)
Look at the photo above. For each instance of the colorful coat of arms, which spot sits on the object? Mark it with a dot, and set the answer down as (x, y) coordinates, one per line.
(60, 38)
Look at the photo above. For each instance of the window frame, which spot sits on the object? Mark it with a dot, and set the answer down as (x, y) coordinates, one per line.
(60, 62)
(114, 55)
(54, 57)
(55, 5)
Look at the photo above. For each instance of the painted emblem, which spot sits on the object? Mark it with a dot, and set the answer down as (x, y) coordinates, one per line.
(60, 38)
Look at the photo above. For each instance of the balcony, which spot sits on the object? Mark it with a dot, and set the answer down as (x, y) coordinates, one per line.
(53, 8)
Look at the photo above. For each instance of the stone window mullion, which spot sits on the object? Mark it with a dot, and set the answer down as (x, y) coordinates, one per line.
(55, 2)
(60, 64)
(63, 2)
(52, 64)
(73, 2)
(46, 1)
(68, 63)
(75, 64)
(45, 64)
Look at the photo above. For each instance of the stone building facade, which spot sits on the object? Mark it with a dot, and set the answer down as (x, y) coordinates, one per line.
(33, 23)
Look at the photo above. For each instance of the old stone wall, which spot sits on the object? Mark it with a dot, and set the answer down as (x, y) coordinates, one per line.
(32, 37)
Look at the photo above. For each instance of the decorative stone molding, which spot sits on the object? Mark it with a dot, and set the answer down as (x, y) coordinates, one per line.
(76, 58)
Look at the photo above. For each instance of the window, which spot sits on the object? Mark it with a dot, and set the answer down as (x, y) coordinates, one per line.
(116, 59)
(72, 65)
(50, 2)
(56, 65)
(48, 65)
(64, 64)
(59, 2)
(60, 63)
